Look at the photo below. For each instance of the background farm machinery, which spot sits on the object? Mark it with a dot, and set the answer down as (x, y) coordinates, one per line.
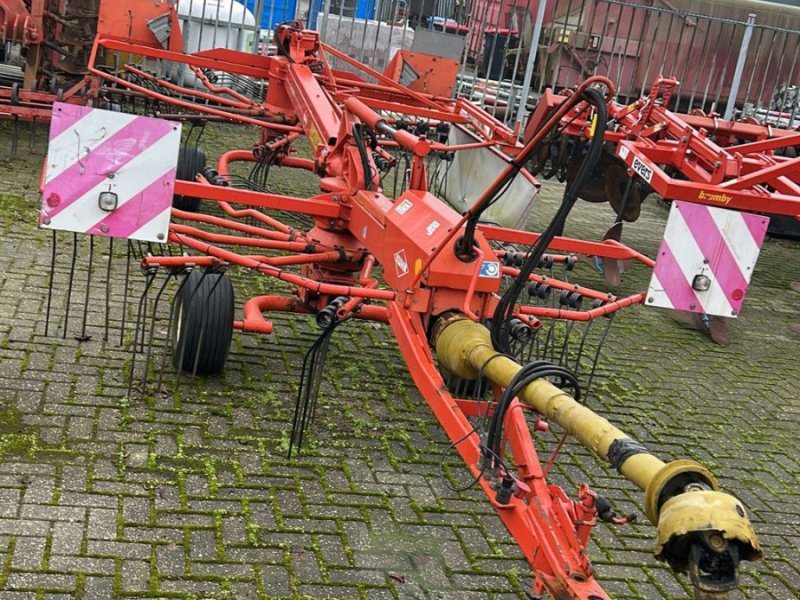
(450, 284)
(725, 60)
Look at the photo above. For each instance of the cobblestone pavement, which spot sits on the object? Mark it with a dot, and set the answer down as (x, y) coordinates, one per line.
(187, 493)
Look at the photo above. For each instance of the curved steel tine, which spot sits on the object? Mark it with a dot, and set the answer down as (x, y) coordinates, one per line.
(125, 293)
(318, 369)
(150, 277)
(600, 343)
(565, 345)
(168, 338)
(579, 355)
(83, 337)
(69, 287)
(50, 283)
(108, 287)
(311, 371)
(152, 331)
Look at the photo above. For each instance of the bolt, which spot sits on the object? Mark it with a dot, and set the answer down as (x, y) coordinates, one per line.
(651, 300)
(733, 313)
(692, 306)
(716, 542)
(160, 236)
(104, 228)
(111, 175)
(46, 221)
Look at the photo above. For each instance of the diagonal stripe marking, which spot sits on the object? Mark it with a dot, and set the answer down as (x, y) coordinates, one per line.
(757, 225)
(79, 134)
(64, 117)
(711, 242)
(743, 234)
(678, 290)
(136, 212)
(148, 231)
(108, 157)
(133, 177)
(657, 293)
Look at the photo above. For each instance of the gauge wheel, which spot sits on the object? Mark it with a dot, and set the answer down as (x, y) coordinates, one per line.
(191, 161)
(202, 323)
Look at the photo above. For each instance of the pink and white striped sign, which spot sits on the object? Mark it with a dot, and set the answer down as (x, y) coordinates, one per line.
(109, 173)
(706, 259)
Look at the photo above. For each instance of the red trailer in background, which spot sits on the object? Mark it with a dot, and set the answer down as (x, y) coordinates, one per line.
(698, 42)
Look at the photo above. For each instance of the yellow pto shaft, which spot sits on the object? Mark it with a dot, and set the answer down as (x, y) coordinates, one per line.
(682, 498)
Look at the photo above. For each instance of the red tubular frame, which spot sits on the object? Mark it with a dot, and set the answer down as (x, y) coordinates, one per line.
(254, 321)
(311, 285)
(188, 91)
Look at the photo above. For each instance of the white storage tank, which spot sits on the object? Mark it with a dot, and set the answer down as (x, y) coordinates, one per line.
(210, 24)
(216, 24)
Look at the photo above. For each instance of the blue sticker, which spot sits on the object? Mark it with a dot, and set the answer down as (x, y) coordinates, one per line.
(490, 269)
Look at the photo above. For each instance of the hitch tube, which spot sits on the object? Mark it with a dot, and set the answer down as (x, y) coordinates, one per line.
(700, 530)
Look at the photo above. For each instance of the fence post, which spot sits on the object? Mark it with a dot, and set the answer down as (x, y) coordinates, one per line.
(323, 27)
(526, 81)
(258, 6)
(737, 74)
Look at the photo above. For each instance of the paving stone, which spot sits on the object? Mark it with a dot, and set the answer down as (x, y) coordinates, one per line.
(98, 587)
(275, 580)
(135, 575)
(24, 527)
(118, 549)
(9, 502)
(51, 581)
(170, 560)
(28, 553)
(56, 513)
(82, 564)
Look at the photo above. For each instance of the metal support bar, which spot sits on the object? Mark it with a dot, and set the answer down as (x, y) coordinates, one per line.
(737, 74)
(526, 82)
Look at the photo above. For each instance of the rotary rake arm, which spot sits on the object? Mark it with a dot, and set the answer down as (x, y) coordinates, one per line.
(442, 276)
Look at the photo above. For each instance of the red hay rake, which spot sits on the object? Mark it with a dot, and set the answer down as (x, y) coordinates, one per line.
(443, 274)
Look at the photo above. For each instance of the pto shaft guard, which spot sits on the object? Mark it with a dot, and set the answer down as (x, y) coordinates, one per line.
(699, 529)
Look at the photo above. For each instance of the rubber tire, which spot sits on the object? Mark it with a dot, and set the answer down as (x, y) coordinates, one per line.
(203, 317)
(191, 161)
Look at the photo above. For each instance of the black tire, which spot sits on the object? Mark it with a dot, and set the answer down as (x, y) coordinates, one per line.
(202, 320)
(191, 161)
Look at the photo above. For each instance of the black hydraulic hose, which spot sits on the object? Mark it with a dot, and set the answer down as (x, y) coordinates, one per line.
(362, 152)
(528, 374)
(464, 247)
(500, 330)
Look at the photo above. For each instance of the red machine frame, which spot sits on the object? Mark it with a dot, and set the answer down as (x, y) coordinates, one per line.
(721, 171)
